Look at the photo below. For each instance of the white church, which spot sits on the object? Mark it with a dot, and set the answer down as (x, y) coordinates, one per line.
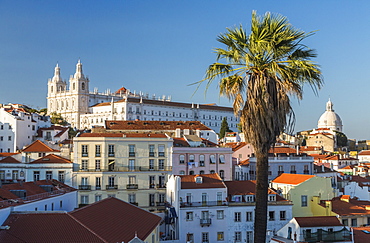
(85, 109)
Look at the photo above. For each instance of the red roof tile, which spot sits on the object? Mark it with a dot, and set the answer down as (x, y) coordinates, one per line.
(364, 152)
(117, 221)
(7, 154)
(235, 146)
(10, 160)
(361, 234)
(319, 221)
(128, 135)
(38, 146)
(292, 179)
(345, 206)
(155, 125)
(51, 158)
(208, 181)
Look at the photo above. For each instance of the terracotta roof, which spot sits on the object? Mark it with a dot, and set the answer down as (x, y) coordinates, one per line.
(10, 160)
(235, 146)
(117, 221)
(38, 146)
(359, 179)
(309, 148)
(52, 128)
(319, 221)
(344, 206)
(155, 125)
(361, 234)
(121, 90)
(208, 181)
(292, 179)
(364, 152)
(121, 135)
(180, 142)
(244, 162)
(46, 227)
(7, 154)
(321, 133)
(282, 150)
(51, 159)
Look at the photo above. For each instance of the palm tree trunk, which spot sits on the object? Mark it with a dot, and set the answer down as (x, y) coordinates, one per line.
(260, 220)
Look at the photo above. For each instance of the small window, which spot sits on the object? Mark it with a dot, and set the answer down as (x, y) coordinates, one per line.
(237, 216)
(220, 236)
(304, 201)
(189, 216)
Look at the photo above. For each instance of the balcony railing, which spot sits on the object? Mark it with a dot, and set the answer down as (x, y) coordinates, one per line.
(131, 154)
(116, 168)
(161, 185)
(85, 155)
(160, 154)
(112, 187)
(132, 186)
(151, 154)
(158, 204)
(84, 187)
(98, 187)
(110, 154)
(204, 204)
(205, 222)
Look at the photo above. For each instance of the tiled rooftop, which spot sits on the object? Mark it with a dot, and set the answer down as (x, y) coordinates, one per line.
(208, 181)
(292, 179)
(155, 125)
(319, 221)
(38, 146)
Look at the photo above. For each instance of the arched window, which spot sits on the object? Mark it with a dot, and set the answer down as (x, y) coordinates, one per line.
(222, 159)
(201, 172)
(201, 160)
(222, 174)
(191, 172)
(51, 88)
(182, 159)
(212, 159)
(212, 171)
(191, 158)
(182, 172)
(83, 86)
(73, 86)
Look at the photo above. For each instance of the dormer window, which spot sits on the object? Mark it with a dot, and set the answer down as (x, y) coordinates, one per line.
(198, 179)
(272, 198)
(236, 198)
(249, 198)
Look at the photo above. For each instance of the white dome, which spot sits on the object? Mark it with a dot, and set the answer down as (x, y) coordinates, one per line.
(330, 119)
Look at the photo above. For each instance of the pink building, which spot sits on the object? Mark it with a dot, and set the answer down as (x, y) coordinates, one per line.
(192, 155)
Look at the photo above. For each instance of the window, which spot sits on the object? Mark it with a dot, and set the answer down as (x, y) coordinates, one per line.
(151, 164)
(237, 216)
(222, 174)
(84, 149)
(238, 236)
(201, 160)
(212, 171)
(345, 222)
(191, 158)
(84, 181)
(161, 150)
(271, 215)
(97, 197)
(249, 198)
(151, 181)
(162, 181)
(189, 216)
(189, 238)
(161, 164)
(249, 237)
(151, 151)
(97, 150)
(9, 138)
(1, 138)
(183, 172)
(36, 175)
(304, 201)
(132, 180)
(111, 164)
(220, 214)
(212, 159)
(205, 238)
(131, 150)
(131, 198)
(111, 181)
(222, 159)
(111, 150)
(353, 222)
(97, 164)
(272, 198)
(97, 183)
(61, 176)
(249, 216)
(131, 164)
(191, 172)
(182, 159)
(204, 198)
(49, 175)
(292, 169)
(84, 164)
(282, 215)
(84, 199)
(220, 236)
(306, 170)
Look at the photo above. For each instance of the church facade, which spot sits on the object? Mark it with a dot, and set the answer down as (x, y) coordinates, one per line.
(85, 109)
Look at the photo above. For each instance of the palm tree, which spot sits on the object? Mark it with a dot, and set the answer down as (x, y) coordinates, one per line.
(262, 70)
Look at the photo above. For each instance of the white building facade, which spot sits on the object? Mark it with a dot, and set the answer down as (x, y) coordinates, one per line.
(84, 109)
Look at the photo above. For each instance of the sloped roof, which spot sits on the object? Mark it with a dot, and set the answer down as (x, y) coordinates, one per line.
(38, 146)
(282, 150)
(292, 179)
(236, 146)
(361, 234)
(117, 221)
(208, 181)
(319, 221)
(155, 125)
(127, 135)
(344, 206)
(51, 159)
(46, 227)
(7, 154)
(10, 160)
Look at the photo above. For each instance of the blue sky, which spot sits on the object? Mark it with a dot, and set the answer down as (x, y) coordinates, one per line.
(160, 47)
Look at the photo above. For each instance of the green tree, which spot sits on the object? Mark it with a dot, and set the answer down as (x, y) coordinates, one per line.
(342, 139)
(57, 118)
(258, 72)
(224, 128)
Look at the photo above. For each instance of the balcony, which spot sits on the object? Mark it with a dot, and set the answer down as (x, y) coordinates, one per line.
(85, 155)
(112, 187)
(135, 203)
(84, 187)
(131, 154)
(160, 154)
(159, 204)
(132, 186)
(161, 186)
(116, 168)
(98, 187)
(110, 154)
(151, 154)
(204, 204)
(205, 222)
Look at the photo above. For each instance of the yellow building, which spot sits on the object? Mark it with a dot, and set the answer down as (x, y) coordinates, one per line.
(132, 167)
(301, 189)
